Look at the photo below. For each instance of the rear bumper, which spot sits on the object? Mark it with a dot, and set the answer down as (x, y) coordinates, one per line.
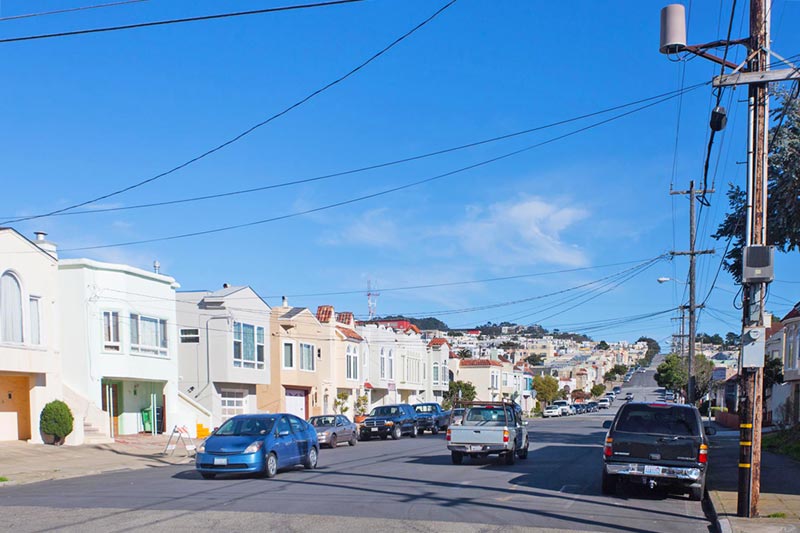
(478, 448)
(637, 470)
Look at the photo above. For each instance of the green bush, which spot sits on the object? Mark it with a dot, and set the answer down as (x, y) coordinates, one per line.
(56, 420)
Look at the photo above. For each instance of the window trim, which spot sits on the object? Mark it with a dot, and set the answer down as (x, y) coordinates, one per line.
(283, 355)
(111, 346)
(351, 363)
(254, 363)
(35, 336)
(184, 338)
(14, 276)
(313, 349)
(161, 330)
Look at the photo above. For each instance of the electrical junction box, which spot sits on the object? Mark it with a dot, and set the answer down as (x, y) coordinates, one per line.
(757, 264)
(753, 347)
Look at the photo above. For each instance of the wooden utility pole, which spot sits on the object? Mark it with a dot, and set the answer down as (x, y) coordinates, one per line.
(692, 253)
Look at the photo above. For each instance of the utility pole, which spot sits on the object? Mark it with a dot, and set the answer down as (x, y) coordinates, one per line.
(692, 253)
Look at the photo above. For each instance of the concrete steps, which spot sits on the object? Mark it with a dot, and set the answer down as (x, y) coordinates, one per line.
(92, 435)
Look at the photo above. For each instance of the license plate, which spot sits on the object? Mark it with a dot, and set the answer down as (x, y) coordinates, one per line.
(220, 461)
(475, 448)
(650, 470)
(374, 429)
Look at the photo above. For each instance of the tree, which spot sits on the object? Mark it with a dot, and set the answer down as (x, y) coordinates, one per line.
(731, 339)
(783, 182)
(610, 376)
(464, 353)
(598, 389)
(620, 369)
(602, 345)
(673, 374)
(56, 420)
(546, 388)
(773, 373)
(579, 395)
(509, 345)
(653, 349)
(535, 359)
(459, 390)
(340, 403)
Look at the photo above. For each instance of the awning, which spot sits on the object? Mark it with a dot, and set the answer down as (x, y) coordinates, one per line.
(368, 385)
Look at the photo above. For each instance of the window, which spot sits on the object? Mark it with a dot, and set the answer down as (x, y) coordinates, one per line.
(390, 364)
(288, 355)
(505, 379)
(232, 402)
(111, 331)
(307, 357)
(297, 425)
(190, 336)
(352, 362)
(383, 364)
(36, 333)
(436, 373)
(10, 309)
(495, 379)
(248, 346)
(148, 335)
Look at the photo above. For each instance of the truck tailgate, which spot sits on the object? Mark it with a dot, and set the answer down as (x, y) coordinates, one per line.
(476, 434)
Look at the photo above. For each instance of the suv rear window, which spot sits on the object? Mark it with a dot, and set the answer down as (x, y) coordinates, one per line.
(665, 420)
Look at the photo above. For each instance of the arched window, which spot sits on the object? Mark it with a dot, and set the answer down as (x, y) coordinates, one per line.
(383, 364)
(436, 373)
(10, 309)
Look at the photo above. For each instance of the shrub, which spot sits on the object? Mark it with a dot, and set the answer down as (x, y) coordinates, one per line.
(56, 420)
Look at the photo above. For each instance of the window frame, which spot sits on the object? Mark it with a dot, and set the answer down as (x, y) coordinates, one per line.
(258, 360)
(159, 350)
(291, 345)
(351, 362)
(35, 326)
(312, 352)
(184, 337)
(20, 293)
(237, 410)
(109, 344)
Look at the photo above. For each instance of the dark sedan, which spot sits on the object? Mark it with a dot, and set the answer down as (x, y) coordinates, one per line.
(258, 444)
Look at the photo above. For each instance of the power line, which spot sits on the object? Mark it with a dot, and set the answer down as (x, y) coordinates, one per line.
(263, 122)
(70, 10)
(176, 21)
(65, 212)
(373, 195)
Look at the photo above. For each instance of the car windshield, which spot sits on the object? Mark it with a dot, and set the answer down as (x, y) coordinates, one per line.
(245, 427)
(318, 421)
(487, 416)
(424, 408)
(659, 419)
(386, 410)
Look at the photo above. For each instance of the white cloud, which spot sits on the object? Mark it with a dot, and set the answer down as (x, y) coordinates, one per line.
(523, 232)
(372, 228)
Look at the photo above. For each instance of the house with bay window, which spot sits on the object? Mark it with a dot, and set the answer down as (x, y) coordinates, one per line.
(30, 355)
(223, 349)
(120, 349)
(348, 349)
(438, 377)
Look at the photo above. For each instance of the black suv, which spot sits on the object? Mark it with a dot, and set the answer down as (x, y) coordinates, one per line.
(657, 444)
(390, 420)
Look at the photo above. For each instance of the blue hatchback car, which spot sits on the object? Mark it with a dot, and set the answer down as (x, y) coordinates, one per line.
(258, 444)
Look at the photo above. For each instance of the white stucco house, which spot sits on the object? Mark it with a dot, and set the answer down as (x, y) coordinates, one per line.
(223, 349)
(30, 358)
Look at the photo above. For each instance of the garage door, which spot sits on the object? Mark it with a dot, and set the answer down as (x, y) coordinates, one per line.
(15, 419)
(296, 402)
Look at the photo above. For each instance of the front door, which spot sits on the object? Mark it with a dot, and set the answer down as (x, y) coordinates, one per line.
(285, 444)
(111, 406)
(296, 402)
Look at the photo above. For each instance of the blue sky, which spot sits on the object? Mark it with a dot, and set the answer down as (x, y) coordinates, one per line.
(90, 114)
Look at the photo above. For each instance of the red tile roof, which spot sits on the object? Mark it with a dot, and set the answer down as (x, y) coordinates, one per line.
(324, 313)
(504, 359)
(413, 328)
(349, 334)
(480, 362)
(438, 341)
(345, 317)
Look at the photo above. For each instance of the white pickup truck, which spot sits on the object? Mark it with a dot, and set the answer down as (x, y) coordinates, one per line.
(488, 428)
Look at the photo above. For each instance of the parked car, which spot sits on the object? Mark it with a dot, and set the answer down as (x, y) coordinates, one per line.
(669, 396)
(592, 407)
(617, 391)
(629, 397)
(579, 408)
(657, 444)
(489, 428)
(432, 417)
(551, 411)
(333, 429)
(564, 406)
(603, 403)
(259, 444)
(390, 420)
(610, 396)
(456, 416)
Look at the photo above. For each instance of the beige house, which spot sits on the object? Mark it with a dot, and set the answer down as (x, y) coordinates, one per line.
(437, 380)
(348, 353)
(300, 366)
(484, 374)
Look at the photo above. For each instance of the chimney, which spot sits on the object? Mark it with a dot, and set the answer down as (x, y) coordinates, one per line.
(284, 301)
(225, 285)
(44, 244)
(156, 267)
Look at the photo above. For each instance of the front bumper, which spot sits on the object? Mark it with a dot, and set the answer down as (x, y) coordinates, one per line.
(375, 430)
(230, 463)
(424, 423)
(688, 474)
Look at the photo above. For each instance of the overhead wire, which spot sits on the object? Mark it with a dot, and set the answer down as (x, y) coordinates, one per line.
(255, 127)
(70, 10)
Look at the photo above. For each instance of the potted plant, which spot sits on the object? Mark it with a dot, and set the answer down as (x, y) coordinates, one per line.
(56, 422)
(361, 408)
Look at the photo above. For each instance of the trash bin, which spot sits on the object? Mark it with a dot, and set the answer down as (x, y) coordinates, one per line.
(147, 420)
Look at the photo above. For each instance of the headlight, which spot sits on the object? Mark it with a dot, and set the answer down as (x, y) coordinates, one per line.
(389, 423)
(201, 448)
(253, 448)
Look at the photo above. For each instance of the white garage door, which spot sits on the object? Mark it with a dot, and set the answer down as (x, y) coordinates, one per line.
(296, 402)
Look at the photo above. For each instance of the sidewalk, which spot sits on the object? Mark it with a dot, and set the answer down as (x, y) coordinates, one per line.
(21, 462)
(780, 489)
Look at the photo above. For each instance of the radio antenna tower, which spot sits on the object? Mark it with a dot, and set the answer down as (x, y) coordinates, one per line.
(372, 299)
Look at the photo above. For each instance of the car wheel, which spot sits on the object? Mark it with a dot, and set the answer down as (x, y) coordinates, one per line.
(523, 453)
(435, 429)
(609, 483)
(333, 441)
(397, 432)
(457, 458)
(311, 459)
(510, 457)
(208, 475)
(271, 465)
(414, 431)
(696, 493)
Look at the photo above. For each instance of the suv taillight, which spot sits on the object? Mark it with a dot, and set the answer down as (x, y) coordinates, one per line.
(607, 448)
(505, 435)
(448, 435)
(702, 457)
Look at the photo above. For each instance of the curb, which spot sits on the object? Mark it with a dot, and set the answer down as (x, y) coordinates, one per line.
(721, 525)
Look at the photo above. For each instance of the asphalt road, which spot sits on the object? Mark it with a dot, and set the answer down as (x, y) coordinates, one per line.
(378, 485)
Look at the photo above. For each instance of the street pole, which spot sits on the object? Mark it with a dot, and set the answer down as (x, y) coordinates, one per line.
(692, 192)
(750, 412)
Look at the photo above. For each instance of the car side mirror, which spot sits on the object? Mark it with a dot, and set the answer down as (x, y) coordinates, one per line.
(607, 424)
(710, 430)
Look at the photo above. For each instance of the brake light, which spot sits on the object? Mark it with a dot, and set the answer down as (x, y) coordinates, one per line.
(607, 448)
(448, 435)
(505, 435)
(702, 457)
